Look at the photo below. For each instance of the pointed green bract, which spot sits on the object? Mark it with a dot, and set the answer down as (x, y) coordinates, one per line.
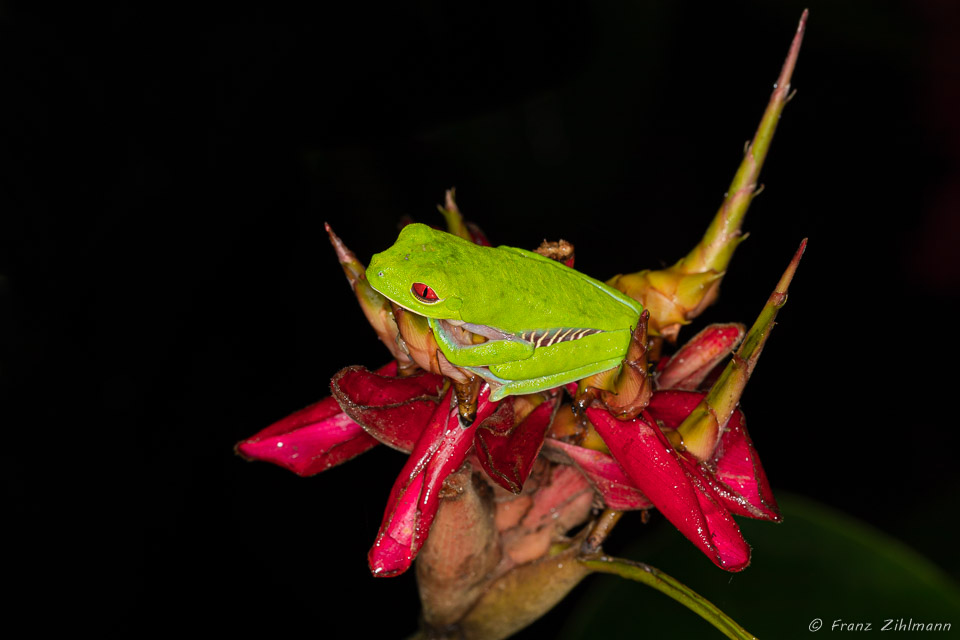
(723, 235)
(451, 212)
(676, 295)
(701, 430)
(375, 307)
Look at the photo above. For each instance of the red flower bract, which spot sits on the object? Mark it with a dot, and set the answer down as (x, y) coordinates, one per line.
(607, 477)
(735, 474)
(642, 470)
(393, 410)
(442, 447)
(313, 439)
(506, 451)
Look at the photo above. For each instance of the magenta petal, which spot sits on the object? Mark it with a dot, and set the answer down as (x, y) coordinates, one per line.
(441, 448)
(391, 553)
(732, 551)
(739, 476)
(392, 410)
(735, 474)
(605, 474)
(565, 487)
(507, 451)
(689, 366)
(671, 408)
(453, 448)
(310, 440)
(680, 494)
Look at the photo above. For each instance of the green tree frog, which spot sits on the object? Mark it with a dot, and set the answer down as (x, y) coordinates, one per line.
(545, 324)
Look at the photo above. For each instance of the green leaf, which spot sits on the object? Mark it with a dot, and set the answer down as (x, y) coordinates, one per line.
(818, 564)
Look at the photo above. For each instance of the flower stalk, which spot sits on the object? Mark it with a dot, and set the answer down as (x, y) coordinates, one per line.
(652, 577)
(701, 430)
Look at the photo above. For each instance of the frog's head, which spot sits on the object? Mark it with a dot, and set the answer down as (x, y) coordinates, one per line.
(419, 272)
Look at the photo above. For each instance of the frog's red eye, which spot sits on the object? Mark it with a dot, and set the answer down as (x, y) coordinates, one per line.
(424, 293)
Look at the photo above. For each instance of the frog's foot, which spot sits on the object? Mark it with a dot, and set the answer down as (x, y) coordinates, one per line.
(467, 394)
(584, 398)
(588, 389)
(561, 251)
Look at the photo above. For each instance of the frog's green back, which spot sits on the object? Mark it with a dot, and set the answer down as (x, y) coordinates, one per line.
(504, 287)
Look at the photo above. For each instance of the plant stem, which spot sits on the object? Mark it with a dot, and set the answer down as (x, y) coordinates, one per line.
(672, 587)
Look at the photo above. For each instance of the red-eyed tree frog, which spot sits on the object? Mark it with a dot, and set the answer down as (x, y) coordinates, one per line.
(545, 324)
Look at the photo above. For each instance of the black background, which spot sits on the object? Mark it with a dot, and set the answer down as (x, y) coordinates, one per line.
(167, 287)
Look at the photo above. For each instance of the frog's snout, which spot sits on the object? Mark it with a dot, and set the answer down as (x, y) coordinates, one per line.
(373, 269)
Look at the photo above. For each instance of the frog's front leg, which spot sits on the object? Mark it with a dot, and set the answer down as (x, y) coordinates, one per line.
(542, 383)
(563, 362)
(479, 355)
